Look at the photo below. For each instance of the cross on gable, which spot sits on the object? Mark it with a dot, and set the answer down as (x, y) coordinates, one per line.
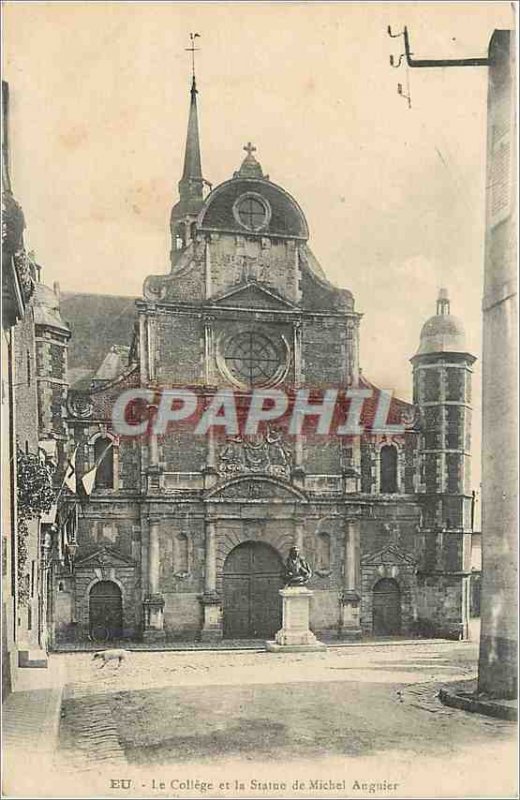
(249, 148)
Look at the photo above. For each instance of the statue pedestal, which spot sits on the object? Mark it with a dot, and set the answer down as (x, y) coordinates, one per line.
(295, 635)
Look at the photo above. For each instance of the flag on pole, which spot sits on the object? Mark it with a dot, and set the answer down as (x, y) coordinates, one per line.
(89, 478)
(70, 473)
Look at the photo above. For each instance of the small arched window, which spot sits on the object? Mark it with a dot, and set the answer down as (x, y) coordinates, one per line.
(323, 552)
(193, 230)
(181, 554)
(388, 467)
(104, 459)
(180, 236)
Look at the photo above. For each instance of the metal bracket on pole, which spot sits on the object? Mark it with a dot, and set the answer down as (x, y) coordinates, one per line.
(432, 62)
(415, 63)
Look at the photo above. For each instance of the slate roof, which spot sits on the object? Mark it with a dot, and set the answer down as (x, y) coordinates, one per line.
(114, 363)
(47, 308)
(97, 322)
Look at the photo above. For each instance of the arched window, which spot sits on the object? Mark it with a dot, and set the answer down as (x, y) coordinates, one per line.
(193, 230)
(104, 458)
(181, 553)
(323, 552)
(180, 236)
(388, 469)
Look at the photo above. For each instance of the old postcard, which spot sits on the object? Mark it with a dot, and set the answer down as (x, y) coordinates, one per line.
(259, 389)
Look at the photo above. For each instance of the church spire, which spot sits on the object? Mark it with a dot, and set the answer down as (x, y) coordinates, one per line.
(183, 217)
(191, 183)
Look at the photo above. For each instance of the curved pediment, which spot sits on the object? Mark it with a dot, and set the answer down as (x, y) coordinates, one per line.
(256, 488)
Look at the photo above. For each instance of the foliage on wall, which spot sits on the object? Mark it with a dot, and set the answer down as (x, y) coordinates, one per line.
(35, 496)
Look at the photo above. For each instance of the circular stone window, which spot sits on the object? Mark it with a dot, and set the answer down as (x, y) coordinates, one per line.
(250, 358)
(251, 211)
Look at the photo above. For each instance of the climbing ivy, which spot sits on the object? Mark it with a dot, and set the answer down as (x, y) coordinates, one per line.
(35, 497)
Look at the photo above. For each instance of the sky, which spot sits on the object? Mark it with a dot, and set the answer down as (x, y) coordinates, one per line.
(394, 196)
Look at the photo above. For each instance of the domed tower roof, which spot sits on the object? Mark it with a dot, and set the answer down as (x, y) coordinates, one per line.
(250, 204)
(442, 333)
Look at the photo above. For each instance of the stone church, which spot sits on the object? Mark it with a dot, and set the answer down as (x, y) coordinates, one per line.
(184, 536)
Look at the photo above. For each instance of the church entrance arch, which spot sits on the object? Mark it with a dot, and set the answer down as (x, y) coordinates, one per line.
(252, 578)
(105, 611)
(386, 608)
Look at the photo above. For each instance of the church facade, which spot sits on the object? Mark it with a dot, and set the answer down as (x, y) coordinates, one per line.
(184, 535)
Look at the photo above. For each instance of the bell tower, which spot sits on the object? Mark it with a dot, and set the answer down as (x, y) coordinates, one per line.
(442, 374)
(183, 219)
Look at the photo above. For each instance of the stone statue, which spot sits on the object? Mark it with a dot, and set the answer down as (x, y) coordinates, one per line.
(297, 570)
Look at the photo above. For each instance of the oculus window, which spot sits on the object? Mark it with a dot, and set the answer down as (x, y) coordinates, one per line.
(252, 212)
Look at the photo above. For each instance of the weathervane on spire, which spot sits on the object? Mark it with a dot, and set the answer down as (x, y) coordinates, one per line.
(193, 50)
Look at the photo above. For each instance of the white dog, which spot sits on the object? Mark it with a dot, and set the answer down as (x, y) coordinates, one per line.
(110, 655)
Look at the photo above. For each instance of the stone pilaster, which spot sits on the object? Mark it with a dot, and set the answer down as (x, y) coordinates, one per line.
(297, 343)
(154, 601)
(210, 600)
(350, 625)
(298, 534)
(153, 558)
(150, 327)
(298, 471)
(154, 467)
(210, 471)
(143, 361)
(208, 349)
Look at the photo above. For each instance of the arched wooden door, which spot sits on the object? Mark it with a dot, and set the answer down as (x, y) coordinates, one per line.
(386, 601)
(252, 606)
(105, 611)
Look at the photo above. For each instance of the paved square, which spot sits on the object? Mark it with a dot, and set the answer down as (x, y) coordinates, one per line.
(368, 710)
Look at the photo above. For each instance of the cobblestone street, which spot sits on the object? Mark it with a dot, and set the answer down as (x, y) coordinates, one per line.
(350, 711)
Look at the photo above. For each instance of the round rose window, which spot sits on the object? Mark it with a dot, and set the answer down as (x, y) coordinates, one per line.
(253, 359)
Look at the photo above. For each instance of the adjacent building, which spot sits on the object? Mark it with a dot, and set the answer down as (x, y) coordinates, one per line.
(34, 388)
